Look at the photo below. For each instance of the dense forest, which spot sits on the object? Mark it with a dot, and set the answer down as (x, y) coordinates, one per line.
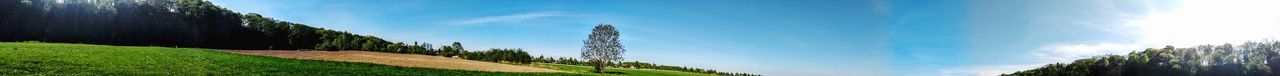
(192, 23)
(1247, 59)
(200, 24)
(170, 23)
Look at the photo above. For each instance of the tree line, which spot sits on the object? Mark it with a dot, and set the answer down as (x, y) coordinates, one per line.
(1248, 59)
(170, 23)
(200, 24)
(299, 36)
(195, 23)
(635, 64)
(501, 55)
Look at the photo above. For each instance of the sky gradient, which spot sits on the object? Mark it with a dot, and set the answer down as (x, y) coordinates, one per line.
(806, 37)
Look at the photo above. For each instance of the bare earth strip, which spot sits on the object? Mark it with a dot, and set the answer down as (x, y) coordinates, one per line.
(406, 60)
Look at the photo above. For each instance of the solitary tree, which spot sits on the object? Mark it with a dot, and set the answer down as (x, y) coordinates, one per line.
(602, 47)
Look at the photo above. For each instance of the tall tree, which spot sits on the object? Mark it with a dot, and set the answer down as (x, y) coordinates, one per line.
(451, 50)
(602, 47)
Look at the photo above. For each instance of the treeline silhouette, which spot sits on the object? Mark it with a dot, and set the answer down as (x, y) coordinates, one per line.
(636, 64)
(186, 23)
(170, 23)
(1248, 59)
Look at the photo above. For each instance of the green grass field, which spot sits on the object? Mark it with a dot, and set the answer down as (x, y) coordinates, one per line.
(623, 71)
(28, 58)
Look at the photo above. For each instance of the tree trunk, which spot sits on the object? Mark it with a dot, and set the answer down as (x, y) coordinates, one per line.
(599, 68)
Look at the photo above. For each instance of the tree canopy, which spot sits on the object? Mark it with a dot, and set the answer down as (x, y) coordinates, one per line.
(1248, 59)
(172, 23)
(602, 47)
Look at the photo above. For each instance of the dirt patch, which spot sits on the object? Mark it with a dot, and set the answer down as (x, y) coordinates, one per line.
(406, 60)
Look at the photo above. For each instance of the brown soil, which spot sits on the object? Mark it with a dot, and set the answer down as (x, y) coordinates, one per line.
(406, 60)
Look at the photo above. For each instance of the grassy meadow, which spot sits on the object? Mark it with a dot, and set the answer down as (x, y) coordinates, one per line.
(619, 71)
(30, 58)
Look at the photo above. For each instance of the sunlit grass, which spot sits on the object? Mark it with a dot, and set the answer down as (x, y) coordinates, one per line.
(30, 58)
(618, 71)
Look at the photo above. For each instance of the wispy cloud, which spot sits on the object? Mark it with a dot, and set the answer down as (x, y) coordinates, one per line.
(992, 70)
(1051, 53)
(1073, 51)
(1195, 22)
(508, 18)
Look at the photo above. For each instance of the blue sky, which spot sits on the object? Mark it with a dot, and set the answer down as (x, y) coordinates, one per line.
(803, 37)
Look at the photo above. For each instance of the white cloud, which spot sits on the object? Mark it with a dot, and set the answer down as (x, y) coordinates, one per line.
(508, 18)
(985, 70)
(1069, 52)
(1052, 53)
(1201, 22)
(1194, 22)
(1197, 22)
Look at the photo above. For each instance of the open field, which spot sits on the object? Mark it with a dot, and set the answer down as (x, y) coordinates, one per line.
(413, 60)
(22, 58)
(407, 60)
(620, 71)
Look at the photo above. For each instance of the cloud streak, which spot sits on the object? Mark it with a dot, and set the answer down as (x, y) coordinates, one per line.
(508, 18)
(984, 70)
(1132, 26)
(1195, 22)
